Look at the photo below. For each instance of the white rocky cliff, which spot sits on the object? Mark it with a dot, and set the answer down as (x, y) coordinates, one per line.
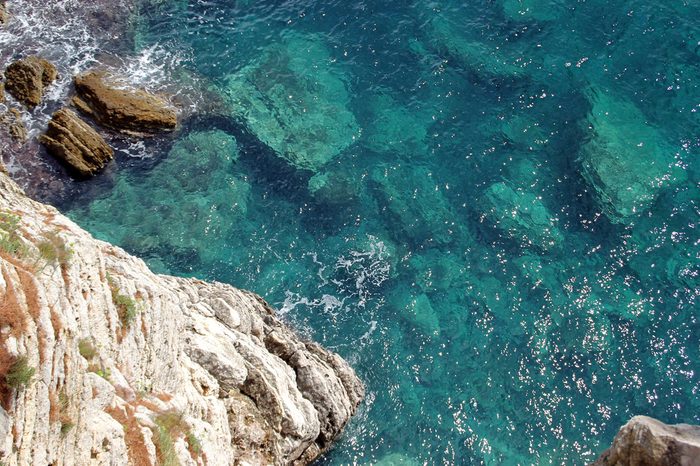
(104, 362)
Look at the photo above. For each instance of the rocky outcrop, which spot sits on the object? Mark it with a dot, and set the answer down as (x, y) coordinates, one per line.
(104, 362)
(12, 121)
(647, 442)
(3, 13)
(26, 79)
(75, 144)
(116, 106)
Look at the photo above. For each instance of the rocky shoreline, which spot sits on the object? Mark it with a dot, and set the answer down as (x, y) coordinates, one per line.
(104, 362)
(129, 366)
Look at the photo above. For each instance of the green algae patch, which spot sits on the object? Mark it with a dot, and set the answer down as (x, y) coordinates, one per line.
(626, 161)
(295, 101)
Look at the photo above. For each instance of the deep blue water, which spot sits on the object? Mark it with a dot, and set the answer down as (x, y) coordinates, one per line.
(489, 208)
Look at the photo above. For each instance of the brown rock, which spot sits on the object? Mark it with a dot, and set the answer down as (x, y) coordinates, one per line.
(3, 13)
(644, 441)
(130, 111)
(76, 144)
(2, 92)
(26, 79)
(12, 120)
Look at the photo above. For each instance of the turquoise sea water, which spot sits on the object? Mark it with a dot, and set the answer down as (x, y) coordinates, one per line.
(489, 208)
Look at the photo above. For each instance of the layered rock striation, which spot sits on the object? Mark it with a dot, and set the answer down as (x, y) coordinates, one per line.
(76, 144)
(118, 106)
(104, 362)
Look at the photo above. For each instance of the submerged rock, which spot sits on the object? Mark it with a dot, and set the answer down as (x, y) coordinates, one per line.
(626, 161)
(117, 106)
(128, 365)
(522, 216)
(333, 187)
(394, 128)
(26, 79)
(73, 142)
(295, 102)
(415, 205)
(446, 37)
(646, 441)
(194, 191)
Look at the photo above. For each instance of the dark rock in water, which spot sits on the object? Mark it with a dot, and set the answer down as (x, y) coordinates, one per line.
(118, 107)
(26, 79)
(12, 120)
(646, 441)
(76, 144)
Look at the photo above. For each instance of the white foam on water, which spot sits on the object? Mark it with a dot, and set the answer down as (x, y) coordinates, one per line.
(63, 32)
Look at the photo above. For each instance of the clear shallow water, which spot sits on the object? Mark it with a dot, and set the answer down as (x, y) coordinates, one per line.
(489, 208)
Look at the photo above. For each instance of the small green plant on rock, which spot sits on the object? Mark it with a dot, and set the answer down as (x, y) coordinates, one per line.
(20, 373)
(126, 305)
(87, 349)
(54, 250)
(169, 426)
(10, 240)
(105, 373)
(100, 370)
(194, 444)
(66, 426)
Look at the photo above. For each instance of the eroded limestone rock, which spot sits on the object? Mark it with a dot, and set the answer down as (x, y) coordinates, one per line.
(26, 79)
(76, 144)
(174, 365)
(646, 441)
(115, 105)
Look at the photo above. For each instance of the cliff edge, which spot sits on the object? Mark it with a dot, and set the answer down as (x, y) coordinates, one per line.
(104, 362)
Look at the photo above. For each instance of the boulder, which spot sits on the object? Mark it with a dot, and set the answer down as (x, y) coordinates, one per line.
(446, 36)
(414, 204)
(12, 120)
(76, 144)
(117, 106)
(303, 116)
(26, 79)
(646, 441)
